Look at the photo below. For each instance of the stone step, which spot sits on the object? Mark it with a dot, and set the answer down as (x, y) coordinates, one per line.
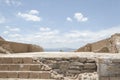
(23, 79)
(26, 74)
(23, 67)
(17, 60)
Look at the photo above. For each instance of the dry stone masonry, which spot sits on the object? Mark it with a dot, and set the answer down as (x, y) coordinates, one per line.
(60, 66)
(70, 67)
(38, 65)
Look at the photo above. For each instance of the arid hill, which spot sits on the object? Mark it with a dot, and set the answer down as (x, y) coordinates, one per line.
(8, 47)
(109, 45)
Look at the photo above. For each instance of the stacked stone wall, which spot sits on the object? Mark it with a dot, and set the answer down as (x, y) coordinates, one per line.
(71, 67)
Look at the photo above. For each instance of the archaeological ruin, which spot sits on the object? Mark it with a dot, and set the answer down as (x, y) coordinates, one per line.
(95, 61)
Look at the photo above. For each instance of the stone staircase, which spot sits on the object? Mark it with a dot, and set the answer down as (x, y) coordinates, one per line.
(16, 68)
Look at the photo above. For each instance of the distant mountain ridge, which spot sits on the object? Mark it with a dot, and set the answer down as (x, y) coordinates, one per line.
(59, 49)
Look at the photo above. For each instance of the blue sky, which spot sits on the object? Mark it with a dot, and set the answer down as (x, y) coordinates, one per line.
(59, 23)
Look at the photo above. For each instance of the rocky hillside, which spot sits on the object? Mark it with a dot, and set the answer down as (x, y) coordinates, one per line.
(8, 47)
(109, 45)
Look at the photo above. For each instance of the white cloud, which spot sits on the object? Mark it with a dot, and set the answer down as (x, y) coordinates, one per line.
(80, 17)
(14, 35)
(69, 19)
(5, 32)
(52, 38)
(34, 12)
(13, 2)
(2, 19)
(44, 29)
(13, 29)
(32, 15)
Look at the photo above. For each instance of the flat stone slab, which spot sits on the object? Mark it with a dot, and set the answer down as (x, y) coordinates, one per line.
(106, 62)
(23, 79)
(64, 55)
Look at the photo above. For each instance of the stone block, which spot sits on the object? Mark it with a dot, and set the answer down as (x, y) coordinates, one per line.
(90, 60)
(0, 60)
(44, 75)
(23, 75)
(104, 78)
(35, 67)
(64, 67)
(74, 71)
(74, 67)
(3, 74)
(90, 66)
(13, 67)
(88, 70)
(114, 78)
(55, 66)
(7, 60)
(12, 74)
(27, 60)
(17, 61)
(76, 64)
(34, 75)
(58, 71)
(23, 67)
(3, 67)
(45, 68)
(115, 60)
(82, 60)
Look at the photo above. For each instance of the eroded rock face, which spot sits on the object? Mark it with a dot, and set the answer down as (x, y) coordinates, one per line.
(109, 45)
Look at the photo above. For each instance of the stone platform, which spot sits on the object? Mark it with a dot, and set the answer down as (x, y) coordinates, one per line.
(60, 66)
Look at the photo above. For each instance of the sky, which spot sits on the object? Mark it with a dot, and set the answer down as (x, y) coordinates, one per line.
(59, 23)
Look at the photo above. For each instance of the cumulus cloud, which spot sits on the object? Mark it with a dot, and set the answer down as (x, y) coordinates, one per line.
(34, 12)
(12, 32)
(44, 29)
(14, 35)
(32, 15)
(80, 17)
(13, 29)
(53, 38)
(69, 19)
(13, 2)
(5, 32)
(2, 19)
(77, 16)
